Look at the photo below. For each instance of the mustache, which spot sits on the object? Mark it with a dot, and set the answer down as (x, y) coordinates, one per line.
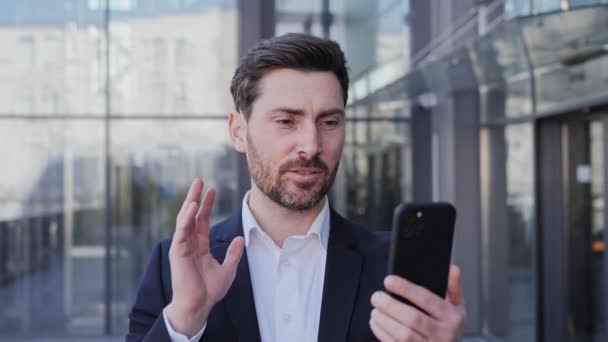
(313, 163)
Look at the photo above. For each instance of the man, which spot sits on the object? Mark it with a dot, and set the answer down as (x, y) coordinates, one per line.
(285, 267)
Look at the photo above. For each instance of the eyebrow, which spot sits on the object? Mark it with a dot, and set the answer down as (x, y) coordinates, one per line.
(300, 112)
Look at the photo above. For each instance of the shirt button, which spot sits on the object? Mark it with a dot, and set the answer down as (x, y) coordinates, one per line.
(286, 263)
(286, 318)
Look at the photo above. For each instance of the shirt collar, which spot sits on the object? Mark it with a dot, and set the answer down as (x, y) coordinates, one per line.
(320, 226)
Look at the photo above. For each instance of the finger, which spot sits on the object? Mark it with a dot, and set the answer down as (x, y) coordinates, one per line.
(203, 216)
(423, 298)
(194, 194)
(404, 314)
(454, 294)
(184, 225)
(234, 253)
(204, 212)
(397, 330)
(380, 333)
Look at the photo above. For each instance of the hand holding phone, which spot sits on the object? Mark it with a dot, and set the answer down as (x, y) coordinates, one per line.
(420, 253)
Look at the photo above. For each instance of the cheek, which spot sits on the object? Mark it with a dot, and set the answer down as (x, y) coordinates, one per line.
(275, 145)
(271, 150)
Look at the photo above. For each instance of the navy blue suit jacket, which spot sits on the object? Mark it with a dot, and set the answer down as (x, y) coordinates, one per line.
(355, 267)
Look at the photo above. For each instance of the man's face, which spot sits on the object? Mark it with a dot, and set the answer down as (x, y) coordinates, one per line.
(295, 135)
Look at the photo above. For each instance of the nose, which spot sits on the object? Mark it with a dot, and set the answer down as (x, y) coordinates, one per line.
(309, 144)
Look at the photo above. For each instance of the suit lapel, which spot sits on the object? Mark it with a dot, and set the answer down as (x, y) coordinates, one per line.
(240, 305)
(342, 272)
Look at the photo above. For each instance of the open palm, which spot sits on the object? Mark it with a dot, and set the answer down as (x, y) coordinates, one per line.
(198, 279)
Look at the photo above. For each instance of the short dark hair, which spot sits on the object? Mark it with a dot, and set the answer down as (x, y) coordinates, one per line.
(294, 51)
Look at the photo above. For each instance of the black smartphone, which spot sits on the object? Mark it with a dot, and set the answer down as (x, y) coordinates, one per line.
(421, 245)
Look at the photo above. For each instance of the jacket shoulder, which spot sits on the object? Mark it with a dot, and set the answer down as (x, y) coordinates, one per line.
(367, 240)
(373, 241)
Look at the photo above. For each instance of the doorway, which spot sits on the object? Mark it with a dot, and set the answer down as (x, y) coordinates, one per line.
(572, 159)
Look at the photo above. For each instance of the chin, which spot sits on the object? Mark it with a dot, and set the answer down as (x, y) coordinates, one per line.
(304, 200)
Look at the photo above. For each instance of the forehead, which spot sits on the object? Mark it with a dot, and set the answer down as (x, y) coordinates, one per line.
(306, 90)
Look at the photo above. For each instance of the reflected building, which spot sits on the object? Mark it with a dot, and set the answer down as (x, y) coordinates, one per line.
(148, 81)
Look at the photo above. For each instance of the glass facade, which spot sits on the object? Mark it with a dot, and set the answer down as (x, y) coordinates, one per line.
(569, 60)
(509, 224)
(530, 67)
(521, 206)
(85, 89)
(51, 226)
(106, 116)
(530, 7)
(597, 274)
(538, 64)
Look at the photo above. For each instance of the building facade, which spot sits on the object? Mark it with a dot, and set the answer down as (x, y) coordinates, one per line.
(108, 109)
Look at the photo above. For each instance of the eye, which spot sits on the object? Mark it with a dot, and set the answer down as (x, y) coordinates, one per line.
(331, 123)
(284, 122)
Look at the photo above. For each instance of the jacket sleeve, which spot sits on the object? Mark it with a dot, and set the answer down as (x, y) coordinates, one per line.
(146, 322)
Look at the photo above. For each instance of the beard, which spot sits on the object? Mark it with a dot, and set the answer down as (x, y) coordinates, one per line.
(305, 196)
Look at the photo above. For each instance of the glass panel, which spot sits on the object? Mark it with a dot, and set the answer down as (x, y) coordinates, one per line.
(567, 51)
(51, 227)
(508, 207)
(577, 3)
(286, 6)
(356, 31)
(154, 163)
(504, 75)
(303, 16)
(52, 183)
(184, 70)
(547, 5)
(306, 26)
(520, 217)
(52, 58)
(377, 46)
(375, 170)
(585, 223)
(515, 8)
(597, 229)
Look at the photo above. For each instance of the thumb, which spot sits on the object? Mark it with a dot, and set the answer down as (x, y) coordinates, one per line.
(454, 294)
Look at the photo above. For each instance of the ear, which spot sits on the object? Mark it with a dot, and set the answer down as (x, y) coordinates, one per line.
(238, 131)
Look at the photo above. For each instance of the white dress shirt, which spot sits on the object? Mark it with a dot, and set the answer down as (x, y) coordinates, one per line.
(287, 281)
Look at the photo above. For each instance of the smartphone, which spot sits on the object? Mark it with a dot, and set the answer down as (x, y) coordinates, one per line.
(421, 245)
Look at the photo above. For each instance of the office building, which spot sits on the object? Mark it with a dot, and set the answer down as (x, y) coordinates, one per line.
(500, 107)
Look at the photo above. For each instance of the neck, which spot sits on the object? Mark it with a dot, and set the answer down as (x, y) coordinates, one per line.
(280, 222)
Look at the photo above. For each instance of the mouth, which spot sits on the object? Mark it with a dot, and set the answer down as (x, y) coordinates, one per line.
(305, 171)
(305, 175)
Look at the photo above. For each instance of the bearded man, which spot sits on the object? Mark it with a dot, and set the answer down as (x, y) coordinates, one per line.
(285, 266)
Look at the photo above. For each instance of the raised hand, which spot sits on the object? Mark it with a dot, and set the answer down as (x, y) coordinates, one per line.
(198, 280)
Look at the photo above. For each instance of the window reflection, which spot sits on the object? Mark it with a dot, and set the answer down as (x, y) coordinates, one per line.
(173, 83)
(376, 170)
(508, 217)
(184, 70)
(548, 5)
(51, 227)
(520, 219)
